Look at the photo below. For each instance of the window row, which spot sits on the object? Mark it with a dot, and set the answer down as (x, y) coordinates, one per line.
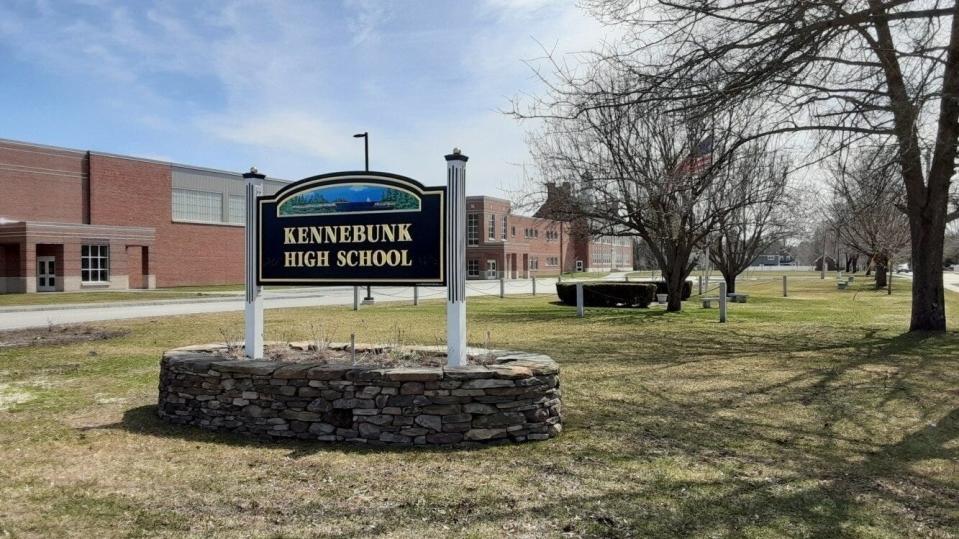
(207, 207)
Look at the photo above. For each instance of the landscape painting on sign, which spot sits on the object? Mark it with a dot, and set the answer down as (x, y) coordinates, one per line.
(349, 198)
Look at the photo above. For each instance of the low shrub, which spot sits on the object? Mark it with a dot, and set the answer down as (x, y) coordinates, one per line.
(608, 294)
(662, 288)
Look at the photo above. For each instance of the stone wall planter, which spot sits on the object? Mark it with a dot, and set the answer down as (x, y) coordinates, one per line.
(517, 399)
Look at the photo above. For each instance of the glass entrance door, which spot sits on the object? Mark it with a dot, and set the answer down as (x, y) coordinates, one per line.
(46, 274)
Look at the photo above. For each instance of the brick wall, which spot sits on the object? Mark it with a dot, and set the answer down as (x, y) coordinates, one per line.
(130, 192)
(42, 184)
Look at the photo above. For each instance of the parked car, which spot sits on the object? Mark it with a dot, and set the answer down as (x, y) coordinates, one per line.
(903, 268)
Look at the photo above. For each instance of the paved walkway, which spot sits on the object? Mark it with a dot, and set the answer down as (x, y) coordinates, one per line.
(950, 279)
(41, 316)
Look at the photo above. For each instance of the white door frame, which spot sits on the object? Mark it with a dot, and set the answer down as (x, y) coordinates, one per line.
(46, 274)
(491, 272)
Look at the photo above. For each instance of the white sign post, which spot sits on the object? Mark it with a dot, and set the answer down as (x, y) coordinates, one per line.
(456, 259)
(254, 293)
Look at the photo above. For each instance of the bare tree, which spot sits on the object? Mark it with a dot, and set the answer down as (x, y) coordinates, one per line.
(842, 70)
(751, 228)
(640, 171)
(868, 198)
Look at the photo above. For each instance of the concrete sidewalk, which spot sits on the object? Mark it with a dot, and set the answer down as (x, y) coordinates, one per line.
(950, 279)
(281, 299)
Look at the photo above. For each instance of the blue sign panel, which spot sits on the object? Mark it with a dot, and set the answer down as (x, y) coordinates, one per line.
(352, 228)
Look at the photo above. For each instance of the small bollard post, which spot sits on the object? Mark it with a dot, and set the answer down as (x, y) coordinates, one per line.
(627, 277)
(353, 347)
(722, 302)
(785, 287)
(356, 298)
(416, 295)
(502, 287)
(700, 285)
(534, 285)
(579, 300)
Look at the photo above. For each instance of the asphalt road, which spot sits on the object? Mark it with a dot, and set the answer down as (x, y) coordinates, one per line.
(280, 299)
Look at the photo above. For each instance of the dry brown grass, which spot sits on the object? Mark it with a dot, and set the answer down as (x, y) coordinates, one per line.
(806, 416)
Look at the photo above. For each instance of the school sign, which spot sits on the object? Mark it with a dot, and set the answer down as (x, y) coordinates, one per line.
(352, 228)
(359, 228)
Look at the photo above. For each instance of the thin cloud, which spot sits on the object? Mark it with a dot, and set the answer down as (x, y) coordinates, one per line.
(292, 81)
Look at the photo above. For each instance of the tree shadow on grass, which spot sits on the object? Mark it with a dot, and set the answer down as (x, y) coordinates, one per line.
(558, 311)
(144, 420)
(831, 464)
(822, 480)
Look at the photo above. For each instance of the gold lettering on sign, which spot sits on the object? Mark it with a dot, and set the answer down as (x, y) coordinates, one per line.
(330, 234)
(306, 259)
(369, 258)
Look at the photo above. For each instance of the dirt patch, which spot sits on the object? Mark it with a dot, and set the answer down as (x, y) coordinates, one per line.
(54, 335)
(366, 355)
(11, 395)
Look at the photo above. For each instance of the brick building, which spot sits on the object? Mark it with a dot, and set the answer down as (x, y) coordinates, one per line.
(500, 244)
(81, 220)
(590, 253)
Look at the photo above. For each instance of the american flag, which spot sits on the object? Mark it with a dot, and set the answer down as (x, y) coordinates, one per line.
(699, 159)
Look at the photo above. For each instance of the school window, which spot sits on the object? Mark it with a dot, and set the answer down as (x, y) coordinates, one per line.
(237, 210)
(472, 229)
(504, 227)
(490, 269)
(534, 263)
(472, 268)
(552, 261)
(200, 206)
(95, 263)
(492, 227)
(513, 231)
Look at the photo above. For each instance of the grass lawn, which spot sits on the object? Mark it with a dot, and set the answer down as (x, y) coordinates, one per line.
(106, 296)
(807, 416)
(584, 274)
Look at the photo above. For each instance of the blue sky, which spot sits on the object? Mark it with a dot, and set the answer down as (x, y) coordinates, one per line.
(284, 85)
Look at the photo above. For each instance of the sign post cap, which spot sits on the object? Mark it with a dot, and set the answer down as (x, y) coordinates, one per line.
(457, 155)
(254, 173)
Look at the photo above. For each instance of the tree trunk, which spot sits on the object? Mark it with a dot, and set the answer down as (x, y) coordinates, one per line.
(928, 296)
(674, 283)
(881, 269)
(730, 282)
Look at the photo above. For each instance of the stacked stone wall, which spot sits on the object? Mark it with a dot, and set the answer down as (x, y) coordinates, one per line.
(517, 399)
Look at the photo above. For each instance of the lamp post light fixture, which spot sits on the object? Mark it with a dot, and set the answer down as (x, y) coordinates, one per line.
(365, 135)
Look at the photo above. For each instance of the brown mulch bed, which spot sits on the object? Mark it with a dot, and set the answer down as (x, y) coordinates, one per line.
(366, 355)
(54, 335)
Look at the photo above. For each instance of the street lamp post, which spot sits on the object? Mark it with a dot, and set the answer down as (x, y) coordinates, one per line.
(365, 135)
